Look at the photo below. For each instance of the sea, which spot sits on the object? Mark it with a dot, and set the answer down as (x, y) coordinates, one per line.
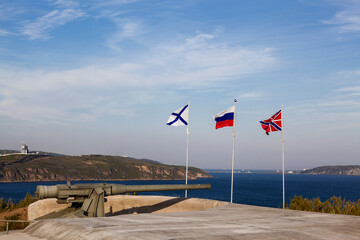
(252, 188)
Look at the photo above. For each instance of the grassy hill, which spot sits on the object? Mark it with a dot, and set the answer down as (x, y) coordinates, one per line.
(42, 167)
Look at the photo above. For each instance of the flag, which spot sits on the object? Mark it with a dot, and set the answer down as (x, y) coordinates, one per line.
(225, 118)
(179, 117)
(272, 124)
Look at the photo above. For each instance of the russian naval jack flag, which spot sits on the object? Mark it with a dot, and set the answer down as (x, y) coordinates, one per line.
(179, 117)
(225, 118)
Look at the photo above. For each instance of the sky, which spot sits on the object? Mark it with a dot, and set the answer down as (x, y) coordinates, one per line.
(103, 77)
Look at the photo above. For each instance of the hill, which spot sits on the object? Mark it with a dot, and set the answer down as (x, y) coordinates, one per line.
(6, 151)
(42, 167)
(333, 170)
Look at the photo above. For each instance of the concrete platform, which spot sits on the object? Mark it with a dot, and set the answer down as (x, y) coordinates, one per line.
(233, 221)
(129, 204)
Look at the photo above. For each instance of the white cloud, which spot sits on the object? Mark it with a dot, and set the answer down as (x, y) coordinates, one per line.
(79, 94)
(343, 104)
(66, 3)
(201, 62)
(348, 19)
(198, 40)
(101, 3)
(352, 91)
(125, 29)
(4, 32)
(351, 78)
(349, 73)
(39, 29)
(249, 95)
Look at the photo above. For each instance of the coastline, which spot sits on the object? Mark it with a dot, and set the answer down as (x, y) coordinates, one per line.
(117, 180)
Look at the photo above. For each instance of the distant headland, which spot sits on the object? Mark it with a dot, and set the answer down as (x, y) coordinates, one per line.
(41, 166)
(332, 170)
(323, 170)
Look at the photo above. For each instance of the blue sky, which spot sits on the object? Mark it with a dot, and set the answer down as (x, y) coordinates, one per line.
(80, 77)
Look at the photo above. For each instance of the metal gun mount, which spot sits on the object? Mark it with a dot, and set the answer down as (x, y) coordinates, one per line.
(87, 200)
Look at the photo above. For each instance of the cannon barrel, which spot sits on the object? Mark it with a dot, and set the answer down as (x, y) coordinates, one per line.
(79, 190)
(156, 188)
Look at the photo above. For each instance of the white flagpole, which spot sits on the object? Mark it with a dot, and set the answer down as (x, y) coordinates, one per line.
(283, 157)
(187, 150)
(233, 154)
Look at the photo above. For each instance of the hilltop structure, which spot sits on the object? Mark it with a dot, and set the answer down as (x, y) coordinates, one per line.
(24, 148)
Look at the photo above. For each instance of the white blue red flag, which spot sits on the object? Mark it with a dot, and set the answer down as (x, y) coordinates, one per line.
(179, 117)
(272, 124)
(225, 118)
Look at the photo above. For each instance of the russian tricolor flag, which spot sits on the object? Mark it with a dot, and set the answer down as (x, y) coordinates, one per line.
(225, 118)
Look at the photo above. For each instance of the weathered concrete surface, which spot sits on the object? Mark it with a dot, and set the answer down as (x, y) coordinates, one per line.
(233, 221)
(43, 207)
(128, 204)
(18, 235)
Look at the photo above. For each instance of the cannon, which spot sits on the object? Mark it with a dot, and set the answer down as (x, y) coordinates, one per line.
(87, 200)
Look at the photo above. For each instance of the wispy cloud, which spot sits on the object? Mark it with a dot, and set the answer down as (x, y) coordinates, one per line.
(4, 32)
(351, 78)
(66, 3)
(341, 105)
(125, 29)
(352, 91)
(201, 61)
(39, 29)
(101, 3)
(249, 95)
(198, 41)
(45, 95)
(348, 19)
(9, 11)
(355, 73)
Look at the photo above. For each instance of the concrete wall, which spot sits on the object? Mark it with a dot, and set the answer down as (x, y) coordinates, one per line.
(128, 204)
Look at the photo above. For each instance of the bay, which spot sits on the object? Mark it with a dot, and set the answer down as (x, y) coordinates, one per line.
(260, 189)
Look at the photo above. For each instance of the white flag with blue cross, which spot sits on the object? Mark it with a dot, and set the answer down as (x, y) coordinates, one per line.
(180, 117)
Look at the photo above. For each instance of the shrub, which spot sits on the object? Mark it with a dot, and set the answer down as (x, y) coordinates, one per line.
(26, 202)
(3, 204)
(14, 225)
(9, 205)
(335, 205)
(296, 203)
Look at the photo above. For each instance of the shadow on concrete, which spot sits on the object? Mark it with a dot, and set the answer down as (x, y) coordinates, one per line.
(146, 209)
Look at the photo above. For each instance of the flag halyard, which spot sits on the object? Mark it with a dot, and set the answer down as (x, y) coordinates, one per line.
(272, 124)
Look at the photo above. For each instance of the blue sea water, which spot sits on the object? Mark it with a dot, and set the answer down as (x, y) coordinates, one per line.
(261, 189)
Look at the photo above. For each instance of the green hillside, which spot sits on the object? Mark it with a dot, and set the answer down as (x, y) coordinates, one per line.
(41, 167)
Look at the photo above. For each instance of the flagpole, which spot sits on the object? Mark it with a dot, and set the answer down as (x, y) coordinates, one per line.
(233, 154)
(283, 157)
(187, 150)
